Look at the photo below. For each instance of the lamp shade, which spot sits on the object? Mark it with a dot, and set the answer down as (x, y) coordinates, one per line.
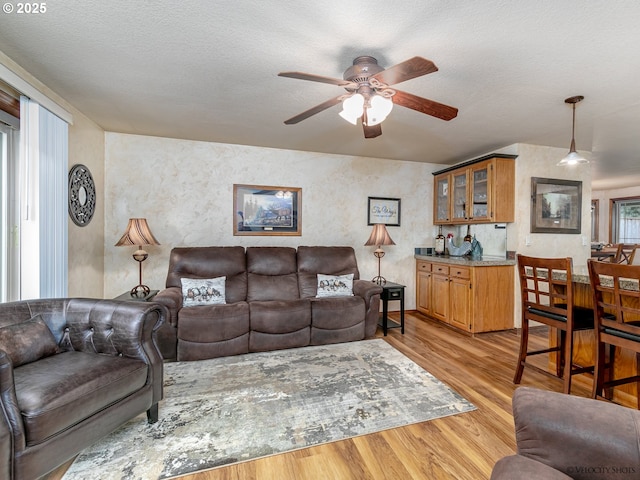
(379, 236)
(380, 108)
(352, 108)
(137, 233)
(573, 158)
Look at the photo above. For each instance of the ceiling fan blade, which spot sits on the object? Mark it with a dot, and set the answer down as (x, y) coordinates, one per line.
(372, 132)
(423, 105)
(318, 78)
(412, 68)
(312, 111)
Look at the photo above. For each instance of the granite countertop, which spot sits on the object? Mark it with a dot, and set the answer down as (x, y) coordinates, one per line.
(484, 261)
(626, 284)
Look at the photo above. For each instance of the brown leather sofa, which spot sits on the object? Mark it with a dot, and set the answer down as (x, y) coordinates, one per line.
(270, 301)
(71, 372)
(562, 436)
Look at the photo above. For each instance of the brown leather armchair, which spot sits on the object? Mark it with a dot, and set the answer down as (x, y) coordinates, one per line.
(72, 371)
(562, 436)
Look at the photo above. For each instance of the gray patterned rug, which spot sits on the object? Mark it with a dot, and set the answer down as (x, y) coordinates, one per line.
(226, 410)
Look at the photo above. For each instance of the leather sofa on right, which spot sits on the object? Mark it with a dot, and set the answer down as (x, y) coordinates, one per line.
(563, 437)
(231, 300)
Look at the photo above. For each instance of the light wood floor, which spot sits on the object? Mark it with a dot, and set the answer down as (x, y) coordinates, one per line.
(461, 447)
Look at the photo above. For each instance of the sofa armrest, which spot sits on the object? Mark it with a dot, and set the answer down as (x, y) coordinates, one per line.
(366, 289)
(577, 435)
(370, 292)
(11, 422)
(171, 298)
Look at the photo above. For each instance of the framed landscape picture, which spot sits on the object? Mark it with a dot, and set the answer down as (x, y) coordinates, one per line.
(261, 210)
(556, 205)
(384, 210)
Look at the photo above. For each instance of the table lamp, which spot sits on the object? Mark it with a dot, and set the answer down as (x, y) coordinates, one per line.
(379, 236)
(139, 234)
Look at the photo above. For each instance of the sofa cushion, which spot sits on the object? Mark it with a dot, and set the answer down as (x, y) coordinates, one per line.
(211, 262)
(337, 320)
(62, 390)
(280, 316)
(335, 285)
(203, 291)
(324, 260)
(272, 274)
(28, 341)
(338, 312)
(518, 466)
(213, 323)
(279, 324)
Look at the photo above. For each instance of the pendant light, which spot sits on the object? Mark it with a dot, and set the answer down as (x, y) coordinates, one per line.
(573, 157)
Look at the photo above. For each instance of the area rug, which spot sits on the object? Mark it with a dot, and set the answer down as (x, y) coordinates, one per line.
(221, 411)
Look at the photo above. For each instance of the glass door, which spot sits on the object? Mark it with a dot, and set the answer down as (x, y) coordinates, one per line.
(442, 199)
(480, 193)
(460, 198)
(9, 206)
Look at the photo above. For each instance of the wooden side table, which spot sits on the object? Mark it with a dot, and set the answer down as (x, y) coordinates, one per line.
(392, 291)
(138, 297)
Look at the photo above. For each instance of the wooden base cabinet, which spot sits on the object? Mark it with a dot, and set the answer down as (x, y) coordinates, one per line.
(474, 299)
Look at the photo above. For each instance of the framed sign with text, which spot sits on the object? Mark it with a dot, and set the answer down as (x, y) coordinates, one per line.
(384, 210)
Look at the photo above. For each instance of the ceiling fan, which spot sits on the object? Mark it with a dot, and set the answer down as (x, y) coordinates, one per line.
(369, 94)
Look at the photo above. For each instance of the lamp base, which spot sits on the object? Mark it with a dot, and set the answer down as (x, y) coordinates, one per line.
(379, 279)
(140, 290)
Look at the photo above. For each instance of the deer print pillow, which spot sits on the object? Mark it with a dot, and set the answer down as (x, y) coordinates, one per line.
(335, 285)
(202, 291)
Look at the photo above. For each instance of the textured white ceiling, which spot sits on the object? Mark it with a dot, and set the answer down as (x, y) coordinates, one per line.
(207, 70)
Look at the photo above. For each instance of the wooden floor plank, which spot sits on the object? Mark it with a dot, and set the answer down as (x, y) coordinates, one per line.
(466, 446)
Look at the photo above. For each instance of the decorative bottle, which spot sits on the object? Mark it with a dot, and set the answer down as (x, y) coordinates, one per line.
(440, 242)
(467, 237)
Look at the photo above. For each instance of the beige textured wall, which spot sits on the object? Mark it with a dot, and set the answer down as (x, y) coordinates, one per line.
(86, 146)
(540, 161)
(86, 244)
(185, 189)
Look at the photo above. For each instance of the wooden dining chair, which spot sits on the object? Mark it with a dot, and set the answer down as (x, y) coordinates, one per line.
(625, 253)
(547, 297)
(616, 300)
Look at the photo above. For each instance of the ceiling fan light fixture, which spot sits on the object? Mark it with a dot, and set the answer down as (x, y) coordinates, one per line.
(352, 108)
(379, 110)
(573, 157)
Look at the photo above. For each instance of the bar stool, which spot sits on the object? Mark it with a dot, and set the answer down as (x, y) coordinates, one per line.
(547, 297)
(616, 300)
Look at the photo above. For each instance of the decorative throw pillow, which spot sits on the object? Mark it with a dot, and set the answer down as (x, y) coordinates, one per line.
(202, 291)
(335, 285)
(28, 341)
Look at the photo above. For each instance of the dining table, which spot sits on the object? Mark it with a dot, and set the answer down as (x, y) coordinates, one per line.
(603, 254)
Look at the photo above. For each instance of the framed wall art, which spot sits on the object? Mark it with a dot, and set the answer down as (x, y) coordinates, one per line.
(556, 205)
(383, 210)
(261, 210)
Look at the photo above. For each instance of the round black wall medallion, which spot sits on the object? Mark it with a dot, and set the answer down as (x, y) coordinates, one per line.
(82, 195)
